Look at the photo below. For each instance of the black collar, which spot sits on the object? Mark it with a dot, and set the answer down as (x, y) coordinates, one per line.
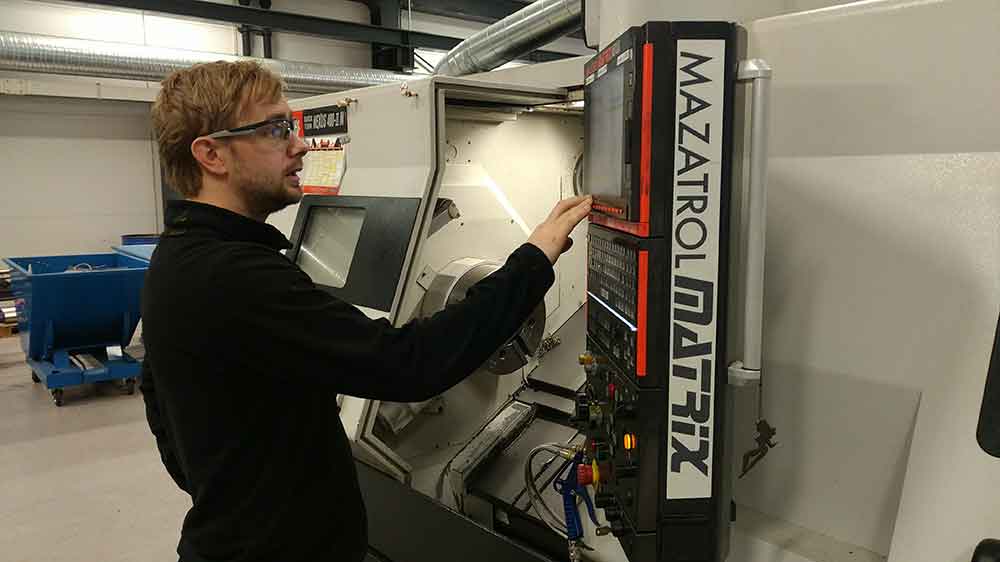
(183, 215)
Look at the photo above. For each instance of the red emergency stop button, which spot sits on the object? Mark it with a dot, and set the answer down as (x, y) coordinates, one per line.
(584, 475)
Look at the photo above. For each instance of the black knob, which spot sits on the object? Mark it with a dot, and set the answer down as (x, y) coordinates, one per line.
(627, 409)
(629, 498)
(601, 452)
(628, 470)
(581, 411)
(604, 500)
(618, 528)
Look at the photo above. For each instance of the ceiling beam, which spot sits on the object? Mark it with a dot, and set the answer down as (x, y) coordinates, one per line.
(298, 23)
(483, 11)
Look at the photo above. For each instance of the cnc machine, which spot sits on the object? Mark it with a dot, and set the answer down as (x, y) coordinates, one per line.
(472, 169)
(626, 383)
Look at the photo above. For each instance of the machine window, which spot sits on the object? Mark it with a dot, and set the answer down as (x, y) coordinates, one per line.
(328, 244)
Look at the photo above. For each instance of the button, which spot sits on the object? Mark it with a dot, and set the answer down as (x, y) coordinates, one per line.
(627, 409)
(629, 441)
(604, 500)
(601, 452)
(626, 471)
(582, 409)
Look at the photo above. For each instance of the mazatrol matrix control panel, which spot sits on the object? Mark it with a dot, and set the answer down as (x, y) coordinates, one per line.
(659, 137)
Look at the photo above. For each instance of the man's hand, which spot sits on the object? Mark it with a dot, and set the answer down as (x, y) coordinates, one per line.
(552, 236)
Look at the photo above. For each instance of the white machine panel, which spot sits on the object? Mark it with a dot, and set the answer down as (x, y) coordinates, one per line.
(883, 275)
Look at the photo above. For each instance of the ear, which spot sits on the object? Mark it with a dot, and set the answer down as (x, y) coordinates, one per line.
(211, 155)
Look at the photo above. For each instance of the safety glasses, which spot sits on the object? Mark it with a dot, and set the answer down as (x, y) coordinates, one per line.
(274, 129)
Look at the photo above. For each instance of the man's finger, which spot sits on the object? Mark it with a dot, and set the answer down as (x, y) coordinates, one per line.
(562, 206)
(572, 217)
(565, 205)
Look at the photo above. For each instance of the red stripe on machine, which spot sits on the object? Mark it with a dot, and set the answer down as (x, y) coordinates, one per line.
(640, 336)
(647, 132)
(636, 228)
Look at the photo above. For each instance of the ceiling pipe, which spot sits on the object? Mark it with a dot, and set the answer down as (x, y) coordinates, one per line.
(516, 35)
(23, 52)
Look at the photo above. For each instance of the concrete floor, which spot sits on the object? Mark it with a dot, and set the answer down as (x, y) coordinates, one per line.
(84, 483)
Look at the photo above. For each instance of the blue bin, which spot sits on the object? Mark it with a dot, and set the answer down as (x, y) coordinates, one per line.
(79, 305)
(142, 252)
(137, 239)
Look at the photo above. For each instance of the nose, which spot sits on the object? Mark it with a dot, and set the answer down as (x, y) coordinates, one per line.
(297, 145)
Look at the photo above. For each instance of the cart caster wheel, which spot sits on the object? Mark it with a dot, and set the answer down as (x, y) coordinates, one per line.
(130, 386)
(34, 377)
(57, 395)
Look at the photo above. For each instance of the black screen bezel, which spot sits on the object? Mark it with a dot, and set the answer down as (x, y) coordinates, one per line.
(377, 264)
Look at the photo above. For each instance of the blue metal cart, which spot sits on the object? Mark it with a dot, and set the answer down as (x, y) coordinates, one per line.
(76, 315)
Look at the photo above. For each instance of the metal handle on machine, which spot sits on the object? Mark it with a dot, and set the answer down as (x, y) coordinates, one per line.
(747, 371)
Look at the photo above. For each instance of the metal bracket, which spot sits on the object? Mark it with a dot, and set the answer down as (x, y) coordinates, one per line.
(426, 277)
(741, 376)
(752, 69)
(404, 89)
(445, 211)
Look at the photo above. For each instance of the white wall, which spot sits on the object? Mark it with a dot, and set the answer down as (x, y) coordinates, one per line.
(77, 174)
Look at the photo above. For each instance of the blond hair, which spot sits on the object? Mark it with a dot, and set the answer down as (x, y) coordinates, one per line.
(200, 100)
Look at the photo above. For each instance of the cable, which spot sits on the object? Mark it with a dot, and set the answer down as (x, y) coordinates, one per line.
(534, 496)
(535, 499)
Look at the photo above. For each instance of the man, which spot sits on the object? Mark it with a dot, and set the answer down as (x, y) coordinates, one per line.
(245, 355)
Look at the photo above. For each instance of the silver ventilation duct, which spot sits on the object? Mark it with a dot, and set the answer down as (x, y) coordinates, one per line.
(523, 31)
(24, 52)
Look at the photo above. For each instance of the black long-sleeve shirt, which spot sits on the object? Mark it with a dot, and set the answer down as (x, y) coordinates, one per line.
(244, 357)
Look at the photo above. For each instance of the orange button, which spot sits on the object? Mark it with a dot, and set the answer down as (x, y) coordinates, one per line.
(629, 441)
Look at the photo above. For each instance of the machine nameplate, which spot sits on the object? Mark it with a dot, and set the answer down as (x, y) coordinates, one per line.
(694, 268)
(324, 120)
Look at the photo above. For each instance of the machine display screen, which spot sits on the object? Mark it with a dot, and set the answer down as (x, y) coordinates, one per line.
(603, 134)
(329, 241)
